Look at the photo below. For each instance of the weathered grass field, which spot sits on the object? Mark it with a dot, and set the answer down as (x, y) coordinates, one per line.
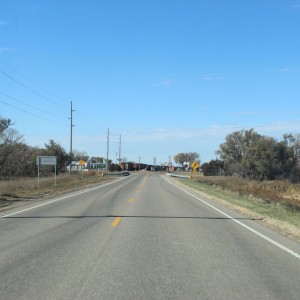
(276, 203)
(18, 191)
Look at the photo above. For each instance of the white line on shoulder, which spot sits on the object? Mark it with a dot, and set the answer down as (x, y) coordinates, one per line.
(61, 198)
(297, 255)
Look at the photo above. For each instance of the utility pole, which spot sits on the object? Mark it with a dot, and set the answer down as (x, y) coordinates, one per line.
(139, 163)
(154, 162)
(169, 164)
(71, 136)
(120, 149)
(107, 153)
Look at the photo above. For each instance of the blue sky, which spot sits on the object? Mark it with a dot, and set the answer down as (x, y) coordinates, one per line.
(169, 76)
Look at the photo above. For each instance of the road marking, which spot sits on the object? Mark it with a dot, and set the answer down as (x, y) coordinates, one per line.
(62, 198)
(295, 254)
(130, 200)
(116, 222)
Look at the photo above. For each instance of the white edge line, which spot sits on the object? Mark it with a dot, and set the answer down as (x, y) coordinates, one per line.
(62, 198)
(297, 255)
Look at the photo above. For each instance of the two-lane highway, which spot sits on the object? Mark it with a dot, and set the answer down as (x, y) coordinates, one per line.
(142, 238)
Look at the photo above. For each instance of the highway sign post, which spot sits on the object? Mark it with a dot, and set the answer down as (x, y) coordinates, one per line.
(82, 163)
(48, 161)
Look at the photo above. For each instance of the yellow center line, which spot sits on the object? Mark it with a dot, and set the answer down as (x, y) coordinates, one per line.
(116, 222)
(130, 200)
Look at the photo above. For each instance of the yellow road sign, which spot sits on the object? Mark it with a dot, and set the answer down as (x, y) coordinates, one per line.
(82, 162)
(195, 165)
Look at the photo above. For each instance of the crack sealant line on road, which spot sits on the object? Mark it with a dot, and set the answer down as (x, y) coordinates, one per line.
(62, 198)
(282, 247)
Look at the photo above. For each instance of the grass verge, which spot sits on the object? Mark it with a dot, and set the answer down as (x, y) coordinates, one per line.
(15, 192)
(279, 215)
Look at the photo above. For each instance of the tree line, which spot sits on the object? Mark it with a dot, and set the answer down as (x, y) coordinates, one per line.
(244, 153)
(18, 159)
(248, 154)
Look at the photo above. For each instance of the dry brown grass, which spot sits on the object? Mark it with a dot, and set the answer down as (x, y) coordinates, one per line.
(273, 191)
(273, 214)
(274, 203)
(25, 189)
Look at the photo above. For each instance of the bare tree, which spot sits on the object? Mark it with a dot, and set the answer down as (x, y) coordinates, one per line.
(4, 124)
(80, 155)
(9, 138)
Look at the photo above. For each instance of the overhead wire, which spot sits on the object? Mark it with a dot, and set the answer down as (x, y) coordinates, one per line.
(27, 112)
(29, 105)
(30, 81)
(29, 88)
(37, 93)
(88, 122)
(14, 79)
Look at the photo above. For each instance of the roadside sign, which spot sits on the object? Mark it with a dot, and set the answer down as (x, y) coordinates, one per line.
(46, 160)
(195, 165)
(82, 162)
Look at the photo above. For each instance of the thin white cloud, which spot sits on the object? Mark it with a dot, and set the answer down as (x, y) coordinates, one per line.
(281, 127)
(285, 69)
(5, 49)
(289, 70)
(168, 134)
(166, 83)
(213, 131)
(296, 5)
(210, 77)
(286, 113)
(161, 142)
(4, 23)
(254, 113)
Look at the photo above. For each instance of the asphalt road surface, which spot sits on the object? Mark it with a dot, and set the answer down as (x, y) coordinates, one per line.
(141, 237)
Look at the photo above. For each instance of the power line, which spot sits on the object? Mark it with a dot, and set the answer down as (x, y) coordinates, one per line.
(93, 126)
(28, 79)
(29, 88)
(24, 103)
(27, 112)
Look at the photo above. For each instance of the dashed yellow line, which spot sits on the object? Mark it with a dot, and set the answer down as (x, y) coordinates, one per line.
(116, 222)
(130, 200)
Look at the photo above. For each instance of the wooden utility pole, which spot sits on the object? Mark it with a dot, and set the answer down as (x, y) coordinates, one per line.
(71, 136)
(120, 149)
(107, 153)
